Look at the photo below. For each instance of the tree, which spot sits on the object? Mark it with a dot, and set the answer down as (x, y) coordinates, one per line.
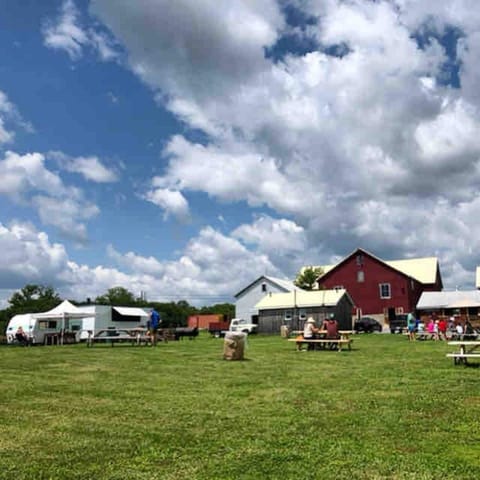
(30, 299)
(226, 309)
(307, 278)
(33, 299)
(119, 296)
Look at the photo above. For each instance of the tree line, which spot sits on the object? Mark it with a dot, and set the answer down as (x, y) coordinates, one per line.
(40, 298)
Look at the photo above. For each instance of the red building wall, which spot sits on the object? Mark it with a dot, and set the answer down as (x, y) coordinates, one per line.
(202, 321)
(404, 291)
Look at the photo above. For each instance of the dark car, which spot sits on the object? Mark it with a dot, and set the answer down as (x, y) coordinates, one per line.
(398, 324)
(367, 325)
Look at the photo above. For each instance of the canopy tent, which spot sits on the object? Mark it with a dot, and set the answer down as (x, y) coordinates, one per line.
(65, 311)
(449, 300)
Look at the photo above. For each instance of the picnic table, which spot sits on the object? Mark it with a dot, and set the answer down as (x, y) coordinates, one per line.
(322, 342)
(134, 336)
(467, 349)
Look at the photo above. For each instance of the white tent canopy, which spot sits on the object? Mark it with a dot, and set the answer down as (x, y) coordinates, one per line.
(65, 311)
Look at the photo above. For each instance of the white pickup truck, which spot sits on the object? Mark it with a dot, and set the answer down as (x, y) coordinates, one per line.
(241, 325)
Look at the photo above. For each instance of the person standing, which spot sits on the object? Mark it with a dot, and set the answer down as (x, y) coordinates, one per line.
(411, 326)
(154, 324)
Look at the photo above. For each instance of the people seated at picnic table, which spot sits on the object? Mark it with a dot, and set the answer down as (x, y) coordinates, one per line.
(309, 332)
(459, 329)
(420, 327)
(431, 326)
(21, 336)
(331, 326)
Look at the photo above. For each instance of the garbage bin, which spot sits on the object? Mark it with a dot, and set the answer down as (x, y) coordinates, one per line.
(234, 345)
(284, 331)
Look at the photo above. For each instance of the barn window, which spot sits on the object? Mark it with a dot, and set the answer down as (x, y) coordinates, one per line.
(302, 315)
(264, 287)
(359, 259)
(288, 315)
(360, 276)
(385, 290)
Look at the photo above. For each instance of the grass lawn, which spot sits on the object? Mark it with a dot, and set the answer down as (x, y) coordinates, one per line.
(389, 409)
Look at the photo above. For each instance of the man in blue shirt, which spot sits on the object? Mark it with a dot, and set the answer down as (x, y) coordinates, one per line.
(154, 324)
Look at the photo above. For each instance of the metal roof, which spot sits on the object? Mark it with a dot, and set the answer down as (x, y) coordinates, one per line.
(422, 269)
(454, 299)
(286, 285)
(131, 311)
(301, 299)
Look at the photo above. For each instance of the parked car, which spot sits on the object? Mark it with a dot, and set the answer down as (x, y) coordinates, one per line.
(367, 325)
(398, 324)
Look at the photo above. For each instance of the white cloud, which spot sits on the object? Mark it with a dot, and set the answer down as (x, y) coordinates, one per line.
(198, 275)
(26, 180)
(66, 215)
(67, 33)
(364, 150)
(24, 173)
(172, 202)
(28, 256)
(272, 235)
(91, 168)
(8, 112)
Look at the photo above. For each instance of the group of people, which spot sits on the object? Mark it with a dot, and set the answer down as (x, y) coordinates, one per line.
(328, 330)
(437, 328)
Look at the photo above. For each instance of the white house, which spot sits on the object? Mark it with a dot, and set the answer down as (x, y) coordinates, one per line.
(248, 297)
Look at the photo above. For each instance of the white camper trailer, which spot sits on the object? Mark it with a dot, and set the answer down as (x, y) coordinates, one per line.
(34, 328)
(65, 321)
(106, 316)
(75, 322)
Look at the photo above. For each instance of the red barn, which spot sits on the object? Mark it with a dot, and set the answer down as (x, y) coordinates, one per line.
(382, 288)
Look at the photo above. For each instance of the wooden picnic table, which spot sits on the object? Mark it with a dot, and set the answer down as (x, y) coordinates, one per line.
(467, 349)
(344, 334)
(133, 336)
(322, 342)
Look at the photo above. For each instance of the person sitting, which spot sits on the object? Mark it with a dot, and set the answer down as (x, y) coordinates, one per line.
(459, 330)
(21, 336)
(331, 326)
(309, 331)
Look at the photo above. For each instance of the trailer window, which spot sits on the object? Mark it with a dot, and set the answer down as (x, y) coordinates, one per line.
(47, 324)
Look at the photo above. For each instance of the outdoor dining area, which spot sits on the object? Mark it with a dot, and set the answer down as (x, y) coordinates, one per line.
(326, 337)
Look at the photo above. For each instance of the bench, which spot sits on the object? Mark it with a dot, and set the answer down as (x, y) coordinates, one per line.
(323, 342)
(462, 357)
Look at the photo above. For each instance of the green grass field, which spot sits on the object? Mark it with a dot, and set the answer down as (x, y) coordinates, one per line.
(387, 409)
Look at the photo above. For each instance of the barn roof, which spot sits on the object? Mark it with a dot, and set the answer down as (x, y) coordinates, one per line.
(423, 269)
(302, 299)
(286, 285)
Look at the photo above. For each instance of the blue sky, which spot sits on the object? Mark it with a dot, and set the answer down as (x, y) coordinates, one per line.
(185, 148)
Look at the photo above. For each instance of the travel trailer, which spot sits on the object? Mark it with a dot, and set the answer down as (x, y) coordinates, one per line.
(73, 323)
(34, 328)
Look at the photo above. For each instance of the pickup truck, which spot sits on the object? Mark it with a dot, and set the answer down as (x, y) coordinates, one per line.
(218, 329)
(241, 325)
